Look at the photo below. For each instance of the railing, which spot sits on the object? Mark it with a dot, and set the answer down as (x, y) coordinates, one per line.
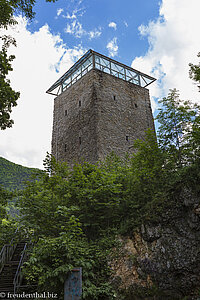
(19, 275)
(93, 60)
(6, 254)
(7, 251)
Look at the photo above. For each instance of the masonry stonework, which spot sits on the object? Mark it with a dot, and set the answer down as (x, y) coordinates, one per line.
(99, 114)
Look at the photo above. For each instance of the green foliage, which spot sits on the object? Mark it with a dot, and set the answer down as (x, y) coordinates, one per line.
(3, 202)
(13, 176)
(53, 258)
(8, 97)
(195, 71)
(72, 216)
(7, 226)
(177, 121)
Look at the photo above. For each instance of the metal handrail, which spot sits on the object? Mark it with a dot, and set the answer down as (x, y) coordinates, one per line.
(18, 275)
(7, 251)
(6, 254)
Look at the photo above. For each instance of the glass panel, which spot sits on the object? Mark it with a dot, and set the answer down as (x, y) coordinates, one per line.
(86, 63)
(97, 66)
(114, 67)
(128, 78)
(117, 68)
(97, 59)
(142, 82)
(79, 76)
(90, 67)
(107, 70)
(67, 81)
(74, 80)
(76, 73)
(148, 80)
(114, 73)
(130, 73)
(122, 76)
(105, 62)
(84, 72)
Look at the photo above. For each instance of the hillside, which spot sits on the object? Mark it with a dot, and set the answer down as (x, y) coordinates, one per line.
(13, 176)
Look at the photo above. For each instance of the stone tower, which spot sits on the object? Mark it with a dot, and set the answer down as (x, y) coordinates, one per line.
(101, 106)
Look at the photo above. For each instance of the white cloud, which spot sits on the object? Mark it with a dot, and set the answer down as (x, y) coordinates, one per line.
(72, 16)
(112, 25)
(112, 47)
(41, 58)
(77, 12)
(95, 33)
(174, 42)
(125, 23)
(59, 11)
(76, 28)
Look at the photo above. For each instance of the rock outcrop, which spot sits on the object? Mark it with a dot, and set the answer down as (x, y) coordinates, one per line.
(162, 259)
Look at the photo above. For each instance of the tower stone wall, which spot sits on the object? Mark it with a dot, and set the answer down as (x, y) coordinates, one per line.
(99, 114)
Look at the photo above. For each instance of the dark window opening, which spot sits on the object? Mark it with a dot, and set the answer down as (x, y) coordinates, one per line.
(127, 138)
(65, 112)
(65, 147)
(79, 103)
(79, 140)
(114, 97)
(136, 105)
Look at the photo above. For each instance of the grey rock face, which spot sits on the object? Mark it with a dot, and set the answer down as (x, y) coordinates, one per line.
(167, 254)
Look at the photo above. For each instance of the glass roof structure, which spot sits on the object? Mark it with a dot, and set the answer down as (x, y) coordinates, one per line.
(93, 60)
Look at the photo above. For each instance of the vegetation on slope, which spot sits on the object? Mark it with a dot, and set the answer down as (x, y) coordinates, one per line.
(73, 216)
(13, 176)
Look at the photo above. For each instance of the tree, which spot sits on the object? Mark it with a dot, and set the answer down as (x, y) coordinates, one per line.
(7, 225)
(66, 214)
(176, 119)
(8, 97)
(195, 72)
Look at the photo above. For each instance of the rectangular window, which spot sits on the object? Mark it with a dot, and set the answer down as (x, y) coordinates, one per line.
(79, 103)
(65, 112)
(127, 138)
(65, 147)
(80, 140)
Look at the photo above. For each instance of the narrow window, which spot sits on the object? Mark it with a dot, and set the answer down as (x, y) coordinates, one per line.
(127, 138)
(65, 112)
(79, 103)
(114, 97)
(65, 147)
(79, 140)
(136, 105)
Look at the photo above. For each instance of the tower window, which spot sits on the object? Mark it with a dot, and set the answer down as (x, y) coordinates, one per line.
(114, 97)
(65, 147)
(65, 112)
(79, 103)
(127, 138)
(80, 140)
(136, 105)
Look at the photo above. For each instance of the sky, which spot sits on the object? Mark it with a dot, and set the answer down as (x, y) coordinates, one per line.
(159, 38)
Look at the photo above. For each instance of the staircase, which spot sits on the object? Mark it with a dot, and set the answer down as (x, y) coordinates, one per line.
(11, 260)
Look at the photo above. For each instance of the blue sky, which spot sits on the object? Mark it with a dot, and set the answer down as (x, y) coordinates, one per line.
(159, 38)
(95, 16)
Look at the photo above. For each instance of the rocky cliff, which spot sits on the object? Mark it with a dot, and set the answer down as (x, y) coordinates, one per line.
(161, 260)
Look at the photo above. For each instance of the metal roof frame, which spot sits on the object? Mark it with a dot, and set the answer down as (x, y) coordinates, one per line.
(89, 53)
